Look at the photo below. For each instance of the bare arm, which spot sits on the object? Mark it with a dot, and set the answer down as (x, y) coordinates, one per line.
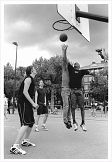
(27, 83)
(45, 100)
(87, 72)
(65, 61)
(36, 96)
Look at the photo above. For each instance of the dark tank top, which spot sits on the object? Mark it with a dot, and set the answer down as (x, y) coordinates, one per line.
(41, 96)
(21, 96)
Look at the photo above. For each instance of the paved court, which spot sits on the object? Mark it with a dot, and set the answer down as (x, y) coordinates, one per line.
(59, 142)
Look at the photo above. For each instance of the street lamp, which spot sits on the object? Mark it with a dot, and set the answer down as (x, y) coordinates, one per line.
(14, 87)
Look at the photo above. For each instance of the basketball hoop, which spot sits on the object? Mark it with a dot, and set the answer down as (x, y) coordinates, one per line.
(70, 13)
(62, 22)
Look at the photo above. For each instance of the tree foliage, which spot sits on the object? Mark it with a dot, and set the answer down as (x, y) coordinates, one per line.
(99, 87)
(9, 76)
(50, 70)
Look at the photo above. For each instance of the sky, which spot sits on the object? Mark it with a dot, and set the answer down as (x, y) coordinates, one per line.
(30, 25)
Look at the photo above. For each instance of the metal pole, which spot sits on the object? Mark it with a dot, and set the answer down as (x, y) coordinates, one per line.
(91, 16)
(14, 87)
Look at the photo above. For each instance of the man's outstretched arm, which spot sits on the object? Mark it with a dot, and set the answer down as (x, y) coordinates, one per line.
(65, 61)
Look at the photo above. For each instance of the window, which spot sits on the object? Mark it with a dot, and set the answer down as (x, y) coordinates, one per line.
(86, 79)
(86, 103)
(86, 95)
(86, 87)
(90, 78)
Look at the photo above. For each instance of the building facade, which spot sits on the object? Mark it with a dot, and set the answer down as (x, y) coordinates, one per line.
(94, 68)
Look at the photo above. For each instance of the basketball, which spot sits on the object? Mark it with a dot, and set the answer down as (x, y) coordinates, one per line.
(63, 37)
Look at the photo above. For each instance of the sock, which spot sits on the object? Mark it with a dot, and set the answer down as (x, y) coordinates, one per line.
(15, 145)
(36, 125)
(26, 140)
(43, 124)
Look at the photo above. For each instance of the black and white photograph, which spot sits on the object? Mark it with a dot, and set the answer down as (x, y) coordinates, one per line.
(55, 63)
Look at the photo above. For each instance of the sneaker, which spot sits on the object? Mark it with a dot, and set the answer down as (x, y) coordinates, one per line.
(17, 150)
(83, 127)
(44, 128)
(37, 130)
(75, 126)
(27, 143)
(67, 125)
(69, 122)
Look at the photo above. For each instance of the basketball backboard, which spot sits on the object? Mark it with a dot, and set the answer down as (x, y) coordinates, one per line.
(68, 12)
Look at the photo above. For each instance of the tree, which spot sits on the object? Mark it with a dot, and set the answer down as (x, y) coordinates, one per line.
(8, 72)
(99, 87)
(103, 54)
(9, 79)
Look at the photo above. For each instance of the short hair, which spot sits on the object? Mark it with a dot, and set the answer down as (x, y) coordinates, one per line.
(77, 64)
(40, 80)
(28, 70)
